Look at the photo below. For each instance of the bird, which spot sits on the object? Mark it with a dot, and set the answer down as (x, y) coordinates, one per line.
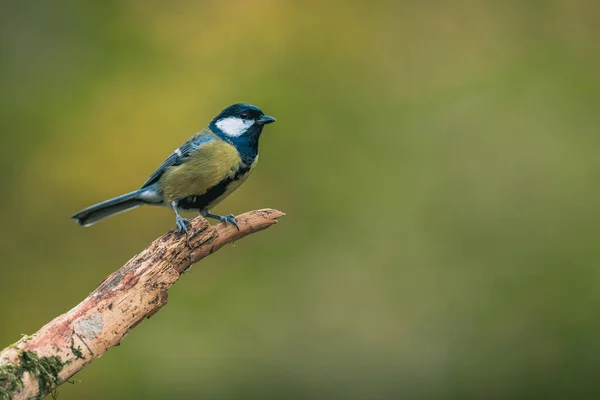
(200, 173)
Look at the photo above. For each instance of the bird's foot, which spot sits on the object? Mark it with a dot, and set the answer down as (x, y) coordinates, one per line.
(182, 224)
(224, 219)
(230, 218)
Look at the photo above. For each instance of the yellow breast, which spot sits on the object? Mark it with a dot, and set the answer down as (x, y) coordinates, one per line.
(205, 168)
(235, 184)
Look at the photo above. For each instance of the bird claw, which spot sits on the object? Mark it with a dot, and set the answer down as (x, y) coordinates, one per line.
(221, 218)
(230, 218)
(182, 224)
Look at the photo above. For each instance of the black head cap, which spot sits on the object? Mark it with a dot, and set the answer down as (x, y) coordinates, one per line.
(246, 112)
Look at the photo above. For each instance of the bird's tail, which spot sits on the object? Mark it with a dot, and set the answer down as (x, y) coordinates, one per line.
(95, 213)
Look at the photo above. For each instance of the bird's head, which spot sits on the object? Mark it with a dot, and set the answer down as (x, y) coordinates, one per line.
(240, 121)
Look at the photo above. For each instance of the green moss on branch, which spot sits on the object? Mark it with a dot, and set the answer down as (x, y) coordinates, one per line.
(43, 369)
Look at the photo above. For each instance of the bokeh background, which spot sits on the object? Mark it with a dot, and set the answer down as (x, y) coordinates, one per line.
(437, 161)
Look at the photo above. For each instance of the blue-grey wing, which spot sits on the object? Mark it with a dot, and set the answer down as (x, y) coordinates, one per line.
(179, 156)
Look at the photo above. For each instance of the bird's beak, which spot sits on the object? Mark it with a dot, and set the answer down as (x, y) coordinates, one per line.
(265, 119)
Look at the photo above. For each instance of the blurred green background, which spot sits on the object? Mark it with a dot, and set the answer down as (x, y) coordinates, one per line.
(438, 162)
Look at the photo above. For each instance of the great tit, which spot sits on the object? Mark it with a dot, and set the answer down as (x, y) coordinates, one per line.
(199, 174)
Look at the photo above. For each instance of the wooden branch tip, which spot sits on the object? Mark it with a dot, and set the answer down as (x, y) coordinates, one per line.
(35, 365)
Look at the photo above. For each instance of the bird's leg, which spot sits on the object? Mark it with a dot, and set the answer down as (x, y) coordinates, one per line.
(180, 221)
(225, 219)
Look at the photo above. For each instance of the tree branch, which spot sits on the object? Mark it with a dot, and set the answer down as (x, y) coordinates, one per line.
(36, 365)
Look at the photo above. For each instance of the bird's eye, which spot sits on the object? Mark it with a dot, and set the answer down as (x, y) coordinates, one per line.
(244, 115)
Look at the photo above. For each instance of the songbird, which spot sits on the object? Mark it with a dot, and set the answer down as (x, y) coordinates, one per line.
(198, 175)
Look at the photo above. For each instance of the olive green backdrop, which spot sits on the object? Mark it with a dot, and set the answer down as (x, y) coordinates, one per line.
(438, 162)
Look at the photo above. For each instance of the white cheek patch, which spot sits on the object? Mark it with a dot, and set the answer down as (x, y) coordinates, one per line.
(233, 126)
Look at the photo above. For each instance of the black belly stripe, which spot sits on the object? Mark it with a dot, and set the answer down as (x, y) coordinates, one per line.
(204, 201)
